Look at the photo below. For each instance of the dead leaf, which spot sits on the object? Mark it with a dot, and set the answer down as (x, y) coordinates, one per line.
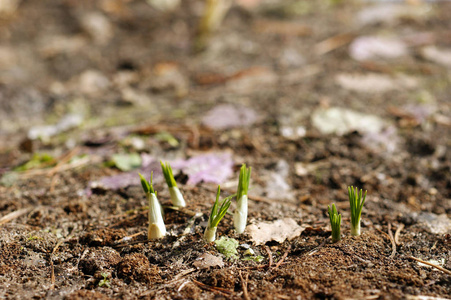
(341, 121)
(436, 224)
(375, 47)
(278, 231)
(282, 28)
(127, 179)
(375, 83)
(206, 261)
(390, 13)
(333, 43)
(225, 116)
(251, 79)
(437, 55)
(213, 167)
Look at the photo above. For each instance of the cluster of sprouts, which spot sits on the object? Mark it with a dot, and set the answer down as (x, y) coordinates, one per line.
(356, 201)
(157, 227)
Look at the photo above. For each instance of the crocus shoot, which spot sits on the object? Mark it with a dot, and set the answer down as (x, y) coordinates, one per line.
(157, 229)
(335, 223)
(240, 215)
(356, 202)
(176, 196)
(218, 211)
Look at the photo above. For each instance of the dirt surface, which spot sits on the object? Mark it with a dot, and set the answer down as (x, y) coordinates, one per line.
(126, 78)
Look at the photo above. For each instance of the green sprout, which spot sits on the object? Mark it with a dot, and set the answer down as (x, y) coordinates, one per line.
(335, 223)
(157, 229)
(104, 281)
(240, 215)
(215, 11)
(218, 211)
(356, 202)
(176, 196)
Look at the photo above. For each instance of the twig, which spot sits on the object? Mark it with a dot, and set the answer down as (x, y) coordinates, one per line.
(369, 264)
(79, 163)
(52, 268)
(125, 239)
(333, 43)
(52, 272)
(62, 160)
(14, 215)
(244, 285)
(255, 267)
(182, 274)
(429, 264)
(392, 239)
(316, 248)
(183, 210)
(118, 246)
(182, 285)
(224, 292)
(384, 233)
(269, 255)
(283, 257)
(398, 231)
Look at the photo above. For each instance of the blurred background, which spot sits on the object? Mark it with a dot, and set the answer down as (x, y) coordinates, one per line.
(263, 78)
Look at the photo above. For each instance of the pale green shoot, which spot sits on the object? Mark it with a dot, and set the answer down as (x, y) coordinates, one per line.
(218, 211)
(240, 215)
(157, 229)
(176, 196)
(356, 203)
(335, 223)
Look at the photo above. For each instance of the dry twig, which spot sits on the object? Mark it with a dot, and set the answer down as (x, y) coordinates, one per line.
(429, 264)
(333, 43)
(14, 215)
(224, 292)
(392, 239)
(244, 285)
(269, 255)
(398, 231)
(283, 257)
(52, 268)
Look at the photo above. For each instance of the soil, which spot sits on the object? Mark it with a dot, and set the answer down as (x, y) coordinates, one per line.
(134, 73)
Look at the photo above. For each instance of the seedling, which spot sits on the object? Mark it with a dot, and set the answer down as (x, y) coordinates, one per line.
(176, 196)
(335, 223)
(104, 281)
(356, 202)
(218, 211)
(157, 229)
(240, 215)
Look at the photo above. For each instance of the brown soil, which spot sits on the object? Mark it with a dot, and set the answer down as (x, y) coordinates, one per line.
(65, 240)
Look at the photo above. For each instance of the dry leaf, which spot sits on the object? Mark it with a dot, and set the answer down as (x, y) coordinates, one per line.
(375, 83)
(341, 121)
(374, 47)
(278, 231)
(206, 261)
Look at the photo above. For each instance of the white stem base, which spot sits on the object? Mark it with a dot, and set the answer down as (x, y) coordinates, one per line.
(240, 215)
(176, 197)
(355, 231)
(210, 234)
(157, 229)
